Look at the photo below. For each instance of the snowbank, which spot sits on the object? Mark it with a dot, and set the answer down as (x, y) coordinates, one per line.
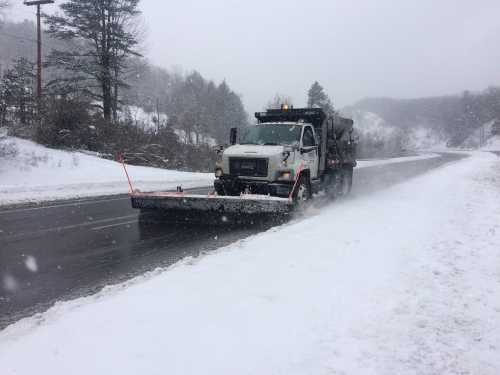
(404, 282)
(473, 141)
(38, 173)
(493, 144)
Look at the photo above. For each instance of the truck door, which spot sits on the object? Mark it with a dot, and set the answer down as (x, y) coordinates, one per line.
(309, 151)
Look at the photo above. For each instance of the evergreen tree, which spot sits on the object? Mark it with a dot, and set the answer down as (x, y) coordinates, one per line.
(102, 41)
(316, 97)
(17, 92)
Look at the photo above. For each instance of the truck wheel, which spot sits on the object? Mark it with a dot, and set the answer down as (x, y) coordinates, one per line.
(302, 191)
(219, 190)
(347, 180)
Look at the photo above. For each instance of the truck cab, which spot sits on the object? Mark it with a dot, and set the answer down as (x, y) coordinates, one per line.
(268, 158)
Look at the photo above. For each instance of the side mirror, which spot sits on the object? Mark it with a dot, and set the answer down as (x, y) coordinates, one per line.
(218, 149)
(233, 136)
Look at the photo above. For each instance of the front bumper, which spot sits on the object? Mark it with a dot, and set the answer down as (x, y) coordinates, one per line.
(228, 185)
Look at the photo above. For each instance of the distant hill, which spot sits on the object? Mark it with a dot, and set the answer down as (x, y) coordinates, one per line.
(454, 117)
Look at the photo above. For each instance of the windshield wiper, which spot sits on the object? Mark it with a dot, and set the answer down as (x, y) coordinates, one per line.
(270, 144)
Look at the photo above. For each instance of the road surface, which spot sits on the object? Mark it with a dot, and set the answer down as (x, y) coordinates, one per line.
(69, 249)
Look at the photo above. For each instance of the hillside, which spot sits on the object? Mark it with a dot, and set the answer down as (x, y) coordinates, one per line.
(452, 119)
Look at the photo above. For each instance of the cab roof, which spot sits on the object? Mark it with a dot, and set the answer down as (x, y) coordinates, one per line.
(284, 123)
(314, 116)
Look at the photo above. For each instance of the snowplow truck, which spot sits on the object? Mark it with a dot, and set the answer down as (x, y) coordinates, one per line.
(291, 153)
(275, 165)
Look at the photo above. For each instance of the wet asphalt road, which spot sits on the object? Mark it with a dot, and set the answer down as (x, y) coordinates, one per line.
(70, 249)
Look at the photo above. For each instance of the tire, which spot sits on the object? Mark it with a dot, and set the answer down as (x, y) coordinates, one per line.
(347, 181)
(219, 190)
(330, 187)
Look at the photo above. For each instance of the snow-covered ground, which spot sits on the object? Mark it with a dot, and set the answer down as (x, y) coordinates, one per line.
(37, 173)
(473, 141)
(404, 281)
(493, 144)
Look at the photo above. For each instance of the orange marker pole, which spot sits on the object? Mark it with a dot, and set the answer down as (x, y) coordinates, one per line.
(299, 171)
(122, 160)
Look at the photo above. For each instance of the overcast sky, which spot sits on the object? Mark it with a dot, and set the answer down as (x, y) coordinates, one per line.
(354, 48)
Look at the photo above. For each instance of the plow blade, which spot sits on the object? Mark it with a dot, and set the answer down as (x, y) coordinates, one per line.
(202, 208)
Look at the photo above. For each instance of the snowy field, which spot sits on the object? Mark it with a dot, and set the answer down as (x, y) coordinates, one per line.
(39, 174)
(404, 281)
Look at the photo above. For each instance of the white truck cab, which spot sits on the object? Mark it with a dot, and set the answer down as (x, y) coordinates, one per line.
(268, 158)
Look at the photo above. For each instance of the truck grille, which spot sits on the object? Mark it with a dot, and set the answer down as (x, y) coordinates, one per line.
(248, 167)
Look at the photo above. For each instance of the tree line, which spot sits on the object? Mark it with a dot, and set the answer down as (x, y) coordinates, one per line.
(93, 72)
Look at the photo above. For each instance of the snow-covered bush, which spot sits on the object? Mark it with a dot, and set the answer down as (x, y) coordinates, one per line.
(8, 149)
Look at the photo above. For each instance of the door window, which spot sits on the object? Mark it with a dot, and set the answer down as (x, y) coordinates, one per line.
(308, 139)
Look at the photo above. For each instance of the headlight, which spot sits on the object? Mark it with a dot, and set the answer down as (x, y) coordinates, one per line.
(285, 176)
(218, 172)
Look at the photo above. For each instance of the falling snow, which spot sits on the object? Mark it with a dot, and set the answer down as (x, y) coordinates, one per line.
(31, 264)
(9, 283)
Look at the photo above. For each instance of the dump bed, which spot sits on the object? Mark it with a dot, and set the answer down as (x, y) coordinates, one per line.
(339, 126)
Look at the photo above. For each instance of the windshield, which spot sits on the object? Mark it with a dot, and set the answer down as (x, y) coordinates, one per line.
(272, 134)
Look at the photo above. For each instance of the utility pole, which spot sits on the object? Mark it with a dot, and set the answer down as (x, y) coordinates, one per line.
(38, 4)
(482, 136)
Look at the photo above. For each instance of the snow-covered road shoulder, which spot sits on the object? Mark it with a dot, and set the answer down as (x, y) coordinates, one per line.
(405, 281)
(36, 173)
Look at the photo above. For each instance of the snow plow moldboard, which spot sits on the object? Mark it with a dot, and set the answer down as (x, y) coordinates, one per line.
(188, 207)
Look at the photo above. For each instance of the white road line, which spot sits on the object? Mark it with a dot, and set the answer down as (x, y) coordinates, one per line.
(74, 203)
(74, 226)
(114, 225)
(88, 201)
